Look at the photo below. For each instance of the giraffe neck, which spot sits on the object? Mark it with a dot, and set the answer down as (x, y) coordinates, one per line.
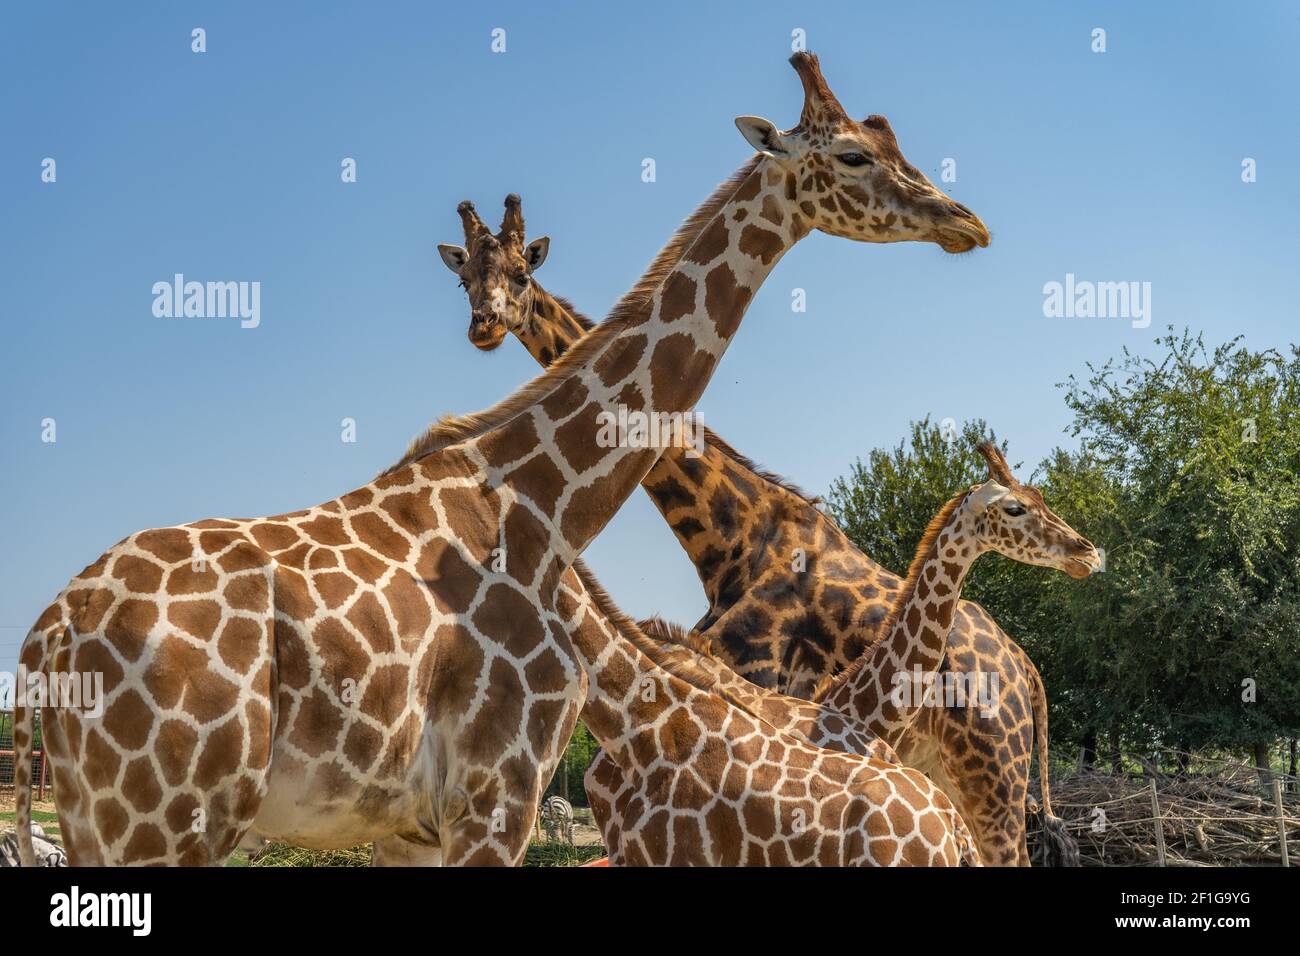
(632, 679)
(552, 327)
(709, 501)
(630, 664)
(655, 364)
(736, 523)
(626, 692)
(733, 524)
(880, 688)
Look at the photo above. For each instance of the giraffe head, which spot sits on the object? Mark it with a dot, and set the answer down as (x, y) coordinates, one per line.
(1013, 520)
(496, 272)
(849, 178)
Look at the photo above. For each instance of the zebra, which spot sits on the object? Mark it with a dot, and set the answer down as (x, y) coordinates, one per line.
(556, 815)
(47, 853)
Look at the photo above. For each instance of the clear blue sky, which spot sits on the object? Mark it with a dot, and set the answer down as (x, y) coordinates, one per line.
(225, 166)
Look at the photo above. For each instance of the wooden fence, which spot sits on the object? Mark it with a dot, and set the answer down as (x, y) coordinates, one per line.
(1220, 814)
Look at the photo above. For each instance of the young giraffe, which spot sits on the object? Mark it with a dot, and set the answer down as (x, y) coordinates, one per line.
(885, 690)
(783, 628)
(368, 669)
(696, 778)
(999, 515)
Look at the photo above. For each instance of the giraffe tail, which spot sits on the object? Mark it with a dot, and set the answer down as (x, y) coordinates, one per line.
(24, 729)
(1057, 845)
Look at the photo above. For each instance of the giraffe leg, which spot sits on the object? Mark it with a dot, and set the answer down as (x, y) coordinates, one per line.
(194, 828)
(604, 783)
(183, 794)
(480, 829)
(71, 798)
(79, 840)
(489, 816)
(991, 799)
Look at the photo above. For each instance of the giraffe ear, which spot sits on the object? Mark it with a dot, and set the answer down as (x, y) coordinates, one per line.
(762, 135)
(454, 256)
(981, 496)
(535, 253)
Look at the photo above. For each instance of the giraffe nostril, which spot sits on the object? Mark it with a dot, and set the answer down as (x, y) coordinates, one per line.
(960, 211)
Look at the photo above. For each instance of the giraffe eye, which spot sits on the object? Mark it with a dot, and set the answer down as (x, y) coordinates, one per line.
(854, 159)
(521, 279)
(1014, 508)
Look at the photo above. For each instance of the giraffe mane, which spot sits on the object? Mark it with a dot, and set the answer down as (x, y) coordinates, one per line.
(744, 461)
(566, 305)
(670, 632)
(669, 646)
(710, 436)
(831, 682)
(452, 429)
(690, 229)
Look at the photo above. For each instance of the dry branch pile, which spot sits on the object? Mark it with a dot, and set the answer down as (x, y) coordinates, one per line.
(1219, 815)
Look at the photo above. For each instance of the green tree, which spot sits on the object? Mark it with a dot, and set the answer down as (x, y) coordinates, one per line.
(1186, 475)
(1203, 446)
(578, 755)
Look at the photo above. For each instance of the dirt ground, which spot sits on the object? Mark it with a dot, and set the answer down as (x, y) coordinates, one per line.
(7, 804)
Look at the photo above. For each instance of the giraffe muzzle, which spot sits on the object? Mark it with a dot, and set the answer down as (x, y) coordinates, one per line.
(1082, 565)
(964, 233)
(486, 332)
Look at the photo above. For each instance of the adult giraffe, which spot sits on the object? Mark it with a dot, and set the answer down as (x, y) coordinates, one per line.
(390, 665)
(782, 628)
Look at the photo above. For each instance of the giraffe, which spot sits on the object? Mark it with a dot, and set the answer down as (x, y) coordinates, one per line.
(783, 628)
(885, 692)
(390, 665)
(496, 273)
(697, 779)
(999, 515)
